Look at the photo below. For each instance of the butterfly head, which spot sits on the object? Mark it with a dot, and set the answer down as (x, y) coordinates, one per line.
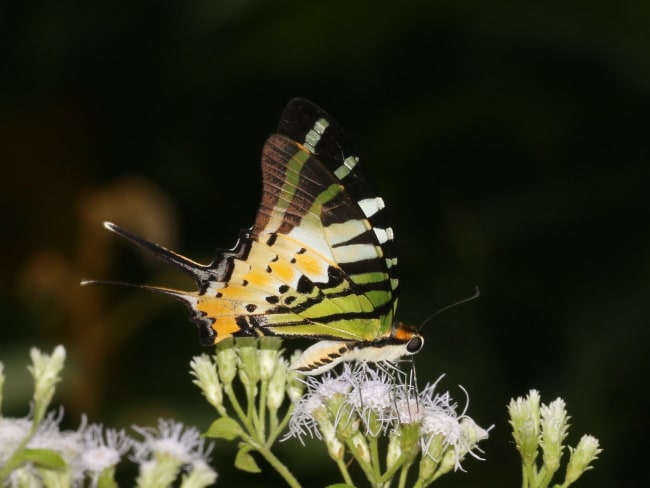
(409, 336)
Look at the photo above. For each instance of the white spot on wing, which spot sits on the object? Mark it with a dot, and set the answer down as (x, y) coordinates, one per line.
(348, 165)
(312, 241)
(342, 232)
(313, 136)
(383, 235)
(370, 206)
(213, 287)
(356, 252)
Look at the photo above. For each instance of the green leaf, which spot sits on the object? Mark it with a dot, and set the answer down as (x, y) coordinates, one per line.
(224, 428)
(107, 479)
(245, 461)
(339, 485)
(42, 458)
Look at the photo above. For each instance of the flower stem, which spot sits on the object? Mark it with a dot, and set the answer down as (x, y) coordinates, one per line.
(528, 476)
(344, 472)
(374, 456)
(232, 397)
(367, 468)
(277, 465)
(261, 409)
(403, 474)
(276, 428)
(390, 472)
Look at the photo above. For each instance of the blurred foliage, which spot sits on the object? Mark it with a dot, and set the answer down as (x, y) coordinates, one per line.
(509, 139)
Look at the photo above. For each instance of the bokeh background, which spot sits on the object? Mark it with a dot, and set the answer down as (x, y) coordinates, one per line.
(510, 140)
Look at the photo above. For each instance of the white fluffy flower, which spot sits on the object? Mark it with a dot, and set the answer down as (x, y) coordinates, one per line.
(173, 439)
(12, 432)
(103, 449)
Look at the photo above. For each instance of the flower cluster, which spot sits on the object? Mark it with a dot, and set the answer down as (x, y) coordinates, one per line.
(257, 411)
(165, 451)
(546, 427)
(373, 415)
(352, 410)
(34, 451)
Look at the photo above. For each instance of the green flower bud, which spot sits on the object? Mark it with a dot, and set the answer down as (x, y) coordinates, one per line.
(226, 358)
(199, 476)
(276, 391)
(394, 450)
(295, 387)
(361, 449)
(554, 427)
(45, 369)
(582, 456)
(207, 379)
(525, 421)
(249, 366)
(268, 354)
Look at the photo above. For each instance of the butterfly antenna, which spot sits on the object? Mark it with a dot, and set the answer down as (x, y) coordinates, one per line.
(197, 271)
(476, 294)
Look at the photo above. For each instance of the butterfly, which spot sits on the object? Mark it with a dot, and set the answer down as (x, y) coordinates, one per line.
(319, 262)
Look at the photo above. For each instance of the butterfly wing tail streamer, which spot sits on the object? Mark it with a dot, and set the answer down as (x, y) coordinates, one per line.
(190, 299)
(200, 273)
(197, 271)
(206, 333)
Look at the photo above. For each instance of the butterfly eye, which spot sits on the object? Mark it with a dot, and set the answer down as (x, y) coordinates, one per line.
(415, 344)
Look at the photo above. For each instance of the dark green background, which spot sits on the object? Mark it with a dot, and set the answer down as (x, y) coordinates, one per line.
(511, 142)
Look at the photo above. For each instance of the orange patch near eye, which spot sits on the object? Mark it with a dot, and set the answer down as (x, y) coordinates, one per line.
(403, 333)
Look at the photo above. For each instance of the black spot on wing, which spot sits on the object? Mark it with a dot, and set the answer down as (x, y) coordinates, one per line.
(305, 286)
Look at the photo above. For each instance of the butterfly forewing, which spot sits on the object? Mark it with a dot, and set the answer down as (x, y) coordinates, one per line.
(308, 124)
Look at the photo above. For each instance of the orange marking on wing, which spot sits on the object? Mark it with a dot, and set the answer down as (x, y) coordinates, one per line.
(302, 148)
(215, 307)
(223, 312)
(225, 327)
(258, 278)
(235, 293)
(283, 271)
(310, 265)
